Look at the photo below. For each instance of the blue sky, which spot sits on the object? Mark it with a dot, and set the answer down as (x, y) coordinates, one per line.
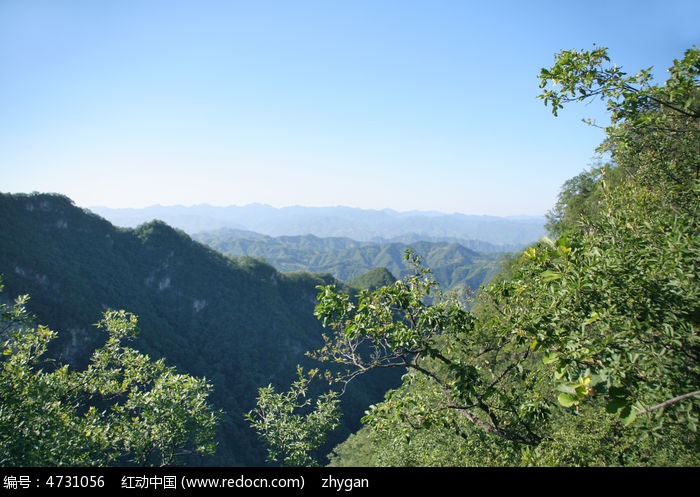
(425, 105)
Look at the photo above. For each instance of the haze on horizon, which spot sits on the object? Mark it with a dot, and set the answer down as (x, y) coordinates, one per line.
(206, 205)
(427, 106)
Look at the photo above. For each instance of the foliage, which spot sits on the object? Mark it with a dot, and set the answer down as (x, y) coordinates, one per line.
(578, 75)
(633, 259)
(372, 279)
(356, 451)
(290, 426)
(123, 409)
(591, 437)
(578, 199)
(456, 362)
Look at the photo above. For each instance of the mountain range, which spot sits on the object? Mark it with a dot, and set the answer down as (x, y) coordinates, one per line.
(453, 265)
(481, 233)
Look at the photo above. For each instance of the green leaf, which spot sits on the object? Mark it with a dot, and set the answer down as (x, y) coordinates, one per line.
(597, 379)
(618, 392)
(615, 404)
(549, 276)
(566, 388)
(550, 358)
(567, 399)
(592, 319)
(628, 415)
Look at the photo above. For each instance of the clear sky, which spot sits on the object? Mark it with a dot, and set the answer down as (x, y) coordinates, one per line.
(427, 105)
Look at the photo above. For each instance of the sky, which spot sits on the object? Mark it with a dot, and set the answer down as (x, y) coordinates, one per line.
(407, 105)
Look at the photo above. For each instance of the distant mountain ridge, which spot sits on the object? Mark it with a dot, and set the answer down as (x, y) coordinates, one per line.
(483, 233)
(454, 265)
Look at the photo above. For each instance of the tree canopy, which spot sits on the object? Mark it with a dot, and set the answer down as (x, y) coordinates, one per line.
(123, 409)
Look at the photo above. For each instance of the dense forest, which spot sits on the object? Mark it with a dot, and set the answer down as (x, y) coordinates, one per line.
(582, 350)
(238, 323)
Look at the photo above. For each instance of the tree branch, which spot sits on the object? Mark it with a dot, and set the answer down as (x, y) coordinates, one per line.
(671, 401)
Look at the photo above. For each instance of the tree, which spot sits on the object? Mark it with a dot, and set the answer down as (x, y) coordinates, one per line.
(123, 409)
(585, 349)
(634, 258)
(578, 199)
(290, 425)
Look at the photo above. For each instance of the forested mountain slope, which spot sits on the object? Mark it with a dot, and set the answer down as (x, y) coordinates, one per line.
(238, 322)
(455, 266)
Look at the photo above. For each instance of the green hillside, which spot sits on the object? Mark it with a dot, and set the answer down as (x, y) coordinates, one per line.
(454, 265)
(238, 322)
